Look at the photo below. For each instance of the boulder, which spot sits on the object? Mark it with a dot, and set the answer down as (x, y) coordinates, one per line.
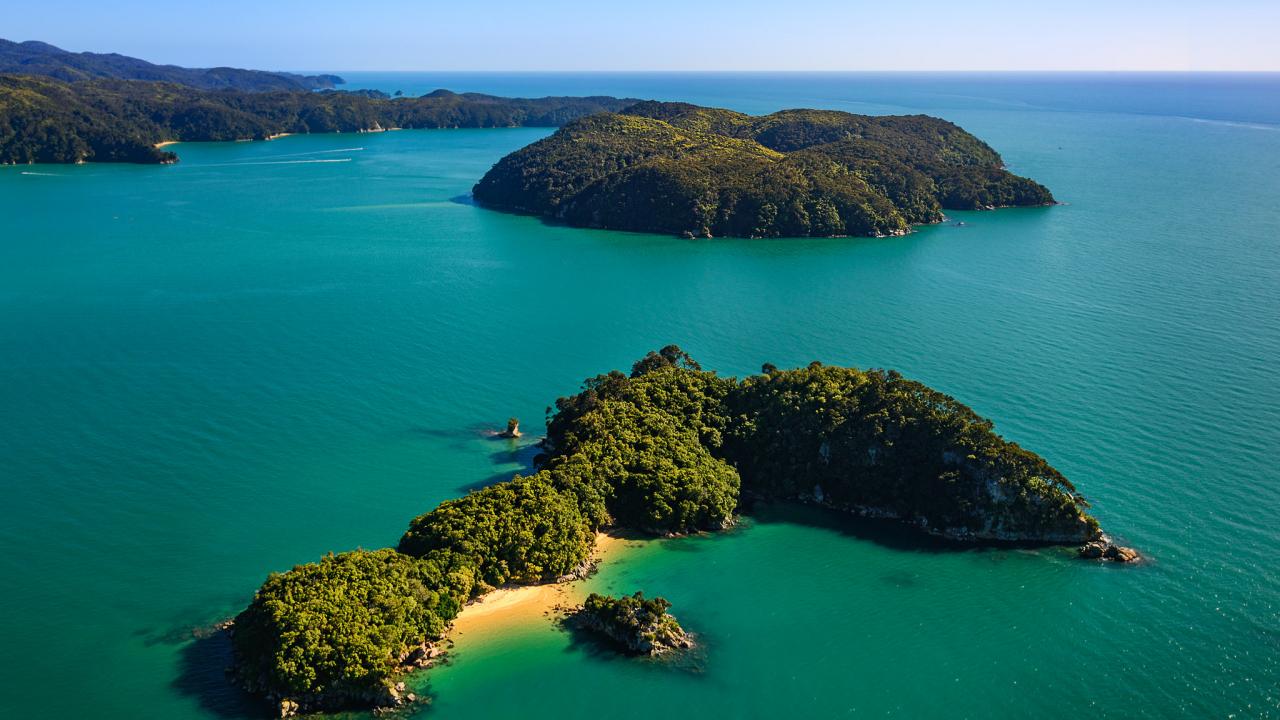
(1117, 553)
(1093, 550)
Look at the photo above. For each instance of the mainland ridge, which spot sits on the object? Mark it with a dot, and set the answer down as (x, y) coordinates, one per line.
(614, 163)
(669, 449)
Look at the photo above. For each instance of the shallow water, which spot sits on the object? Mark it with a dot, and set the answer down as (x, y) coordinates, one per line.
(225, 367)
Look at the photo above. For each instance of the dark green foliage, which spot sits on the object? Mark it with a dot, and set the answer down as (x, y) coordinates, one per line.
(650, 451)
(638, 450)
(43, 120)
(525, 530)
(877, 440)
(679, 168)
(339, 626)
(37, 58)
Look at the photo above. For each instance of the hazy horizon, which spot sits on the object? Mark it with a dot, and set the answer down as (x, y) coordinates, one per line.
(663, 36)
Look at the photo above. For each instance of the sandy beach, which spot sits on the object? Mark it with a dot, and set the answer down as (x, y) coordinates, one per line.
(505, 608)
(162, 143)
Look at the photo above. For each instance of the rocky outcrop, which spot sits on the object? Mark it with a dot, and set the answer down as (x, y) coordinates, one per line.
(386, 697)
(1104, 549)
(1067, 531)
(637, 625)
(513, 429)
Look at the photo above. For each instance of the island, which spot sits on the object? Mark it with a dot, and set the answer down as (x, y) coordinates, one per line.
(44, 120)
(637, 625)
(666, 449)
(694, 171)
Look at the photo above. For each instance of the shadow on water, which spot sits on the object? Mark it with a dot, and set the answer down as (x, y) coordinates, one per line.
(513, 454)
(483, 483)
(892, 534)
(457, 438)
(202, 676)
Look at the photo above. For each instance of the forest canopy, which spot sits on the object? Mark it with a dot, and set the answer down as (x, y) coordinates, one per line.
(49, 121)
(684, 169)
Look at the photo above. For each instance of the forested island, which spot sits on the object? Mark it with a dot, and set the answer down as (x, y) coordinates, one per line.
(702, 172)
(668, 448)
(50, 121)
(37, 58)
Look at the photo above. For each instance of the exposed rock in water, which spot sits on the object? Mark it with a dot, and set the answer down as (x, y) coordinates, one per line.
(513, 429)
(1104, 549)
(1117, 553)
(640, 626)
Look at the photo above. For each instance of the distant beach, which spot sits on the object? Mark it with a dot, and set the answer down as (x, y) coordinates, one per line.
(504, 608)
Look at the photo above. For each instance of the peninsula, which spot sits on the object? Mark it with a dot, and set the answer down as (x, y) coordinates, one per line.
(667, 449)
(701, 172)
(43, 120)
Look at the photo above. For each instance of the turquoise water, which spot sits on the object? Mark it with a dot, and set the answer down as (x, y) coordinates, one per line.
(225, 367)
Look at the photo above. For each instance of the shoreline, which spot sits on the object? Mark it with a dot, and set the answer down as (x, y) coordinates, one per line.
(165, 143)
(495, 612)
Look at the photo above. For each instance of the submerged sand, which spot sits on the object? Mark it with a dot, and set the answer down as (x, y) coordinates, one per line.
(505, 608)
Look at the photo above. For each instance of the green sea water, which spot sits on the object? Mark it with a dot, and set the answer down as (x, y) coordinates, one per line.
(269, 351)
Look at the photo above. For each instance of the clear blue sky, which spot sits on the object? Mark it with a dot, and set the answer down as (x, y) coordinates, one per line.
(668, 34)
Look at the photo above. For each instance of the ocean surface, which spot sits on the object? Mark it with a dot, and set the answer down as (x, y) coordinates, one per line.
(270, 351)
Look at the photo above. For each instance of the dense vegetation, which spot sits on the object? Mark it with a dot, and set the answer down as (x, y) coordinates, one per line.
(639, 454)
(684, 169)
(37, 58)
(44, 120)
(331, 633)
(525, 531)
(874, 440)
(668, 448)
(636, 624)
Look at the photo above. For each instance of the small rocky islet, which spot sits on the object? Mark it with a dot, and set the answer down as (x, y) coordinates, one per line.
(667, 449)
(637, 625)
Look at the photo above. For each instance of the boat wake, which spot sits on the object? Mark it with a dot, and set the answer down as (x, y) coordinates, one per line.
(279, 162)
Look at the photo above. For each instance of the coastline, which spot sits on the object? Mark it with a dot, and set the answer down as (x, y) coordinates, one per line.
(165, 143)
(499, 611)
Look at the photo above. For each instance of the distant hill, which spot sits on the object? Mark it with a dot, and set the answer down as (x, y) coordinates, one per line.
(37, 58)
(49, 121)
(703, 172)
